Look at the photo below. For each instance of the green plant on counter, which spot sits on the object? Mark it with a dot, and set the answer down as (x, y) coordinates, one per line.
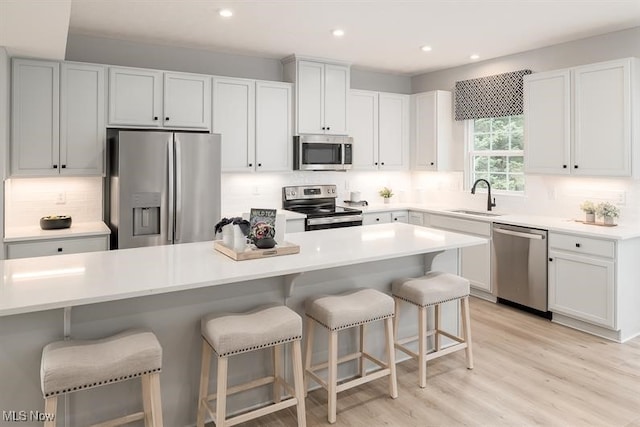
(386, 192)
(606, 209)
(588, 207)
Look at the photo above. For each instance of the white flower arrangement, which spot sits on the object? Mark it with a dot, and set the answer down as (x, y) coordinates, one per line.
(588, 207)
(609, 210)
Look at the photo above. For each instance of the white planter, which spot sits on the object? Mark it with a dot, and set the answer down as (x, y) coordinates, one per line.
(609, 220)
(387, 200)
(590, 217)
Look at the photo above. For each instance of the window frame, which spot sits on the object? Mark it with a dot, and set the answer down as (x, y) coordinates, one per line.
(470, 153)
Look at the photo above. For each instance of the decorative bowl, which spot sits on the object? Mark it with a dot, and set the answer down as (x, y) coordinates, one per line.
(266, 243)
(55, 222)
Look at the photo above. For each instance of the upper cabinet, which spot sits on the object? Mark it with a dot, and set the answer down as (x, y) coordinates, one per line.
(150, 98)
(379, 125)
(58, 124)
(255, 121)
(321, 95)
(432, 119)
(580, 121)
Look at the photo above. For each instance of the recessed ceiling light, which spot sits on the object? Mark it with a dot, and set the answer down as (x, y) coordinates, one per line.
(225, 13)
(426, 48)
(474, 56)
(338, 33)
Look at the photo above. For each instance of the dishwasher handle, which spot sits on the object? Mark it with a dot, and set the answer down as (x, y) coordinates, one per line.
(519, 234)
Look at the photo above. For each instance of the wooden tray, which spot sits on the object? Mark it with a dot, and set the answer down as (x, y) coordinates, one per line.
(285, 248)
(601, 224)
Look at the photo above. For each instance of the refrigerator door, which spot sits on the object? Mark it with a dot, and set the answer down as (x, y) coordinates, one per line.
(197, 195)
(139, 187)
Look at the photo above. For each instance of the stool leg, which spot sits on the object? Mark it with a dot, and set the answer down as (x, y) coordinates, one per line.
(156, 400)
(332, 380)
(361, 361)
(51, 408)
(422, 346)
(466, 331)
(391, 357)
(308, 352)
(396, 318)
(277, 373)
(437, 326)
(298, 383)
(221, 392)
(204, 382)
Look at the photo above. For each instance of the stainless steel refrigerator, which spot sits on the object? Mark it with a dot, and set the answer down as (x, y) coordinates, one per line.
(161, 187)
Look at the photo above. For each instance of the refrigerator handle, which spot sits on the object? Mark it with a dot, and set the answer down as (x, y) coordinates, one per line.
(170, 202)
(178, 190)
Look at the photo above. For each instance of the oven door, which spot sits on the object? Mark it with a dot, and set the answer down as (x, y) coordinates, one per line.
(337, 221)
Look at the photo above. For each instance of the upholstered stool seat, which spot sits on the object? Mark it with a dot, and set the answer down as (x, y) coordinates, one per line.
(232, 334)
(73, 365)
(339, 312)
(432, 290)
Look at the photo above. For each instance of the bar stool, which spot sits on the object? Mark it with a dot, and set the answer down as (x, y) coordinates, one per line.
(69, 366)
(337, 313)
(232, 334)
(433, 289)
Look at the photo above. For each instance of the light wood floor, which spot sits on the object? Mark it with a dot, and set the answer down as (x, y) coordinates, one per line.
(528, 371)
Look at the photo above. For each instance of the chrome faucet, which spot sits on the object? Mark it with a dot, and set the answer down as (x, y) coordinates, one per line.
(490, 203)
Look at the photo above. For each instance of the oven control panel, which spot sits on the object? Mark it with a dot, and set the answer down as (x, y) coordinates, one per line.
(309, 192)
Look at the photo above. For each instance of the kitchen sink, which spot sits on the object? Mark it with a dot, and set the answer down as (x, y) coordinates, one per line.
(469, 212)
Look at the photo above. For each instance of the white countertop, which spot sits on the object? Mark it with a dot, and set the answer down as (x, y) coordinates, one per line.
(81, 229)
(35, 284)
(565, 225)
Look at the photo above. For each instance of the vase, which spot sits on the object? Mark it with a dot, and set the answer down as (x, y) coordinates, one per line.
(609, 220)
(387, 200)
(590, 217)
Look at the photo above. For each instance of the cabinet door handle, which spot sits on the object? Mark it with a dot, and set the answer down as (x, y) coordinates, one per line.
(577, 245)
(324, 128)
(395, 219)
(63, 166)
(259, 165)
(59, 249)
(575, 166)
(250, 165)
(375, 163)
(550, 259)
(328, 128)
(564, 166)
(166, 119)
(377, 219)
(382, 163)
(431, 163)
(155, 118)
(55, 166)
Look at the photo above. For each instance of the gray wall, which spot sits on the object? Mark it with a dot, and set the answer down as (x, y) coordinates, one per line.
(620, 44)
(100, 50)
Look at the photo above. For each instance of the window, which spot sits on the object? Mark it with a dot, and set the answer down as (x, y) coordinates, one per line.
(496, 152)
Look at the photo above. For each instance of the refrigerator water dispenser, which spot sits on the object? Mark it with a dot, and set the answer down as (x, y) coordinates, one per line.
(146, 213)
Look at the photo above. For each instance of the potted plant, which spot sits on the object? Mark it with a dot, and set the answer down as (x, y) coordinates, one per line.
(608, 212)
(386, 194)
(590, 210)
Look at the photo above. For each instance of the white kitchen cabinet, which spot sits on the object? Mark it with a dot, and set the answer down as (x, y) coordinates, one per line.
(35, 117)
(416, 218)
(432, 118)
(152, 98)
(234, 118)
(580, 121)
(376, 218)
(58, 120)
(582, 281)
(274, 130)
(321, 95)
(187, 101)
(400, 216)
(135, 97)
(82, 119)
(56, 247)
(475, 261)
(379, 125)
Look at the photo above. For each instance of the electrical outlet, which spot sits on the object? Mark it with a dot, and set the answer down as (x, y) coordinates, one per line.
(61, 198)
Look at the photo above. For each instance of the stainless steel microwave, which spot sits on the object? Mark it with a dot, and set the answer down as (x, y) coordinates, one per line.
(322, 152)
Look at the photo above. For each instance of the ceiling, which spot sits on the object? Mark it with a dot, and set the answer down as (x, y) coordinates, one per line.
(384, 35)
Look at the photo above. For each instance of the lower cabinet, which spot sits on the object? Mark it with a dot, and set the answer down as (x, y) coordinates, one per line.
(56, 247)
(295, 225)
(385, 217)
(582, 281)
(475, 261)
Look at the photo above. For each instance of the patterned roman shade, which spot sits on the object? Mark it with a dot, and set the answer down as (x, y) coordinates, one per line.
(492, 96)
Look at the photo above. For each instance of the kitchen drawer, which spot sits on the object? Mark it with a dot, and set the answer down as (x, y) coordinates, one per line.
(400, 216)
(376, 218)
(480, 228)
(56, 247)
(583, 245)
(416, 218)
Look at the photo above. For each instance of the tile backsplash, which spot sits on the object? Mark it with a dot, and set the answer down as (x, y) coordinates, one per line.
(29, 199)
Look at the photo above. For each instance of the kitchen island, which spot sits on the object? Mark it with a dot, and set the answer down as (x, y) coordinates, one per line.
(168, 289)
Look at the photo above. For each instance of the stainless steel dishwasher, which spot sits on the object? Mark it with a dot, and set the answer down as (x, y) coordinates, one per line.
(519, 266)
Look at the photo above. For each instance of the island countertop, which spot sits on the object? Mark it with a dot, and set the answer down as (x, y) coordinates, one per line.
(45, 283)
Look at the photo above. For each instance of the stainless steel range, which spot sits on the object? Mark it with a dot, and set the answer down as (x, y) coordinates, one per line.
(318, 203)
